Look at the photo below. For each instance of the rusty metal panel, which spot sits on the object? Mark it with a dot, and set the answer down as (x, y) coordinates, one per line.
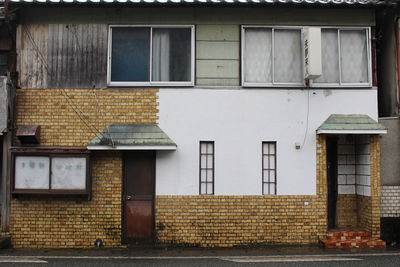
(77, 55)
(139, 218)
(32, 55)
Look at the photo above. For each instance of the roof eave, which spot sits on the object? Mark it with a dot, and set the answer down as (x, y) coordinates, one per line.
(324, 131)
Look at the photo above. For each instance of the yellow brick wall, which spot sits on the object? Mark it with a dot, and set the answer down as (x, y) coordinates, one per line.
(225, 221)
(364, 215)
(375, 199)
(346, 210)
(70, 222)
(74, 117)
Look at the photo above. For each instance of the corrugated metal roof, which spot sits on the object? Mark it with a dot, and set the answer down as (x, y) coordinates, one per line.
(351, 124)
(132, 137)
(334, 2)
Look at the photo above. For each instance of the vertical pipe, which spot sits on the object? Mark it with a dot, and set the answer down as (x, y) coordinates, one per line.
(398, 62)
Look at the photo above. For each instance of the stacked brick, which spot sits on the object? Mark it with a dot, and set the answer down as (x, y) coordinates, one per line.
(351, 238)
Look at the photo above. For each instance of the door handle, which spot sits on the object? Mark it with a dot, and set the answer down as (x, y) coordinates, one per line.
(128, 197)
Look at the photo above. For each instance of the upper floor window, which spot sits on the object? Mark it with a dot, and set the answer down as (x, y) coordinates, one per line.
(274, 56)
(151, 55)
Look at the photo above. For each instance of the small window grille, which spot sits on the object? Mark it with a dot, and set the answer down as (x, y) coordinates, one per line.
(206, 168)
(269, 168)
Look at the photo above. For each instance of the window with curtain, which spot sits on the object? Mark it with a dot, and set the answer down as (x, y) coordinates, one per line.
(151, 55)
(273, 56)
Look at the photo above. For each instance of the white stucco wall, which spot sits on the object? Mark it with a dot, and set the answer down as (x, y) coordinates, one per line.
(238, 120)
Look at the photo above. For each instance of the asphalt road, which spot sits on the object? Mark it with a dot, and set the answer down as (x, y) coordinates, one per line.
(381, 259)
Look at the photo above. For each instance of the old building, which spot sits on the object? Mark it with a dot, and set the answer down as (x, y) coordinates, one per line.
(198, 123)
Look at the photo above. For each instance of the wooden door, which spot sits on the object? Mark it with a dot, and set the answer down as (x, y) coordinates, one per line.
(139, 196)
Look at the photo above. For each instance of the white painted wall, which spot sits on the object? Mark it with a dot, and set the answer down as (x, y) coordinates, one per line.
(238, 120)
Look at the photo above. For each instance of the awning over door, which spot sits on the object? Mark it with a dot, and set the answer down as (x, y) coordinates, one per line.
(351, 124)
(132, 137)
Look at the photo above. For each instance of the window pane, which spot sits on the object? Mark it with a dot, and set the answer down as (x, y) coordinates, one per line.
(272, 176)
(266, 162)
(130, 54)
(330, 57)
(68, 173)
(272, 189)
(288, 56)
(210, 161)
(209, 175)
(171, 55)
(210, 147)
(203, 187)
(265, 188)
(203, 175)
(32, 172)
(203, 161)
(203, 148)
(258, 55)
(353, 49)
(265, 176)
(272, 162)
(210, 188)
(272, 148)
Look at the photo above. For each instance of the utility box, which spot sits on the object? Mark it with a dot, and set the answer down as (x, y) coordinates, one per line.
(312, 52)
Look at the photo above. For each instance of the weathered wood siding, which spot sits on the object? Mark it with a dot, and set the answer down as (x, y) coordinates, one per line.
(62, 55)
(54, 55)
(32, 55)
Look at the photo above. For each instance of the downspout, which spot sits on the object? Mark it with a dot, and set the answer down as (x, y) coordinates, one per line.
(398, 63)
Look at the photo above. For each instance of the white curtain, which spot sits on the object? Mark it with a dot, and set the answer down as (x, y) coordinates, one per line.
(353, 49)
(330, 57)
(161, 55)
(257, 56)
(288, 56)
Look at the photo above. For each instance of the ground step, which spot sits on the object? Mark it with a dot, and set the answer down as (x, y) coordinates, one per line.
(351, 238)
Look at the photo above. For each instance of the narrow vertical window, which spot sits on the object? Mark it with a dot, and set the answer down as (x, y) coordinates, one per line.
(206, 168)
(269, 168)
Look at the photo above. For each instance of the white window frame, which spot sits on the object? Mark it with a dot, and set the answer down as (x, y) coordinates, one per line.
(150, 83)
(312, 84)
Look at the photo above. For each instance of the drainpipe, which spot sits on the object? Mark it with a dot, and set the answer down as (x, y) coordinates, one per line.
(398, 62)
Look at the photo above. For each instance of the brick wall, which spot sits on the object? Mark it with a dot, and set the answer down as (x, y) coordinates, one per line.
(70, 222)
(375, 186)
(347, 210)
(74, 117)
(390, 201)
(226, 221)
(364, 213)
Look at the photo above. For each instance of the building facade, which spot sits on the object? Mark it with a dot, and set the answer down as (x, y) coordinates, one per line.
(203, 127)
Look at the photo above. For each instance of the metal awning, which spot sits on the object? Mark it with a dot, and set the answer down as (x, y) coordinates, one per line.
(351, 124)
(132, 137)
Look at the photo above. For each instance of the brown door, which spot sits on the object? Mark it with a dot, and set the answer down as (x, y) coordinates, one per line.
(139, 196)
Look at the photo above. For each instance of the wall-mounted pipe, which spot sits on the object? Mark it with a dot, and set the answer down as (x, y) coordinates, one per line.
(398, 62)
